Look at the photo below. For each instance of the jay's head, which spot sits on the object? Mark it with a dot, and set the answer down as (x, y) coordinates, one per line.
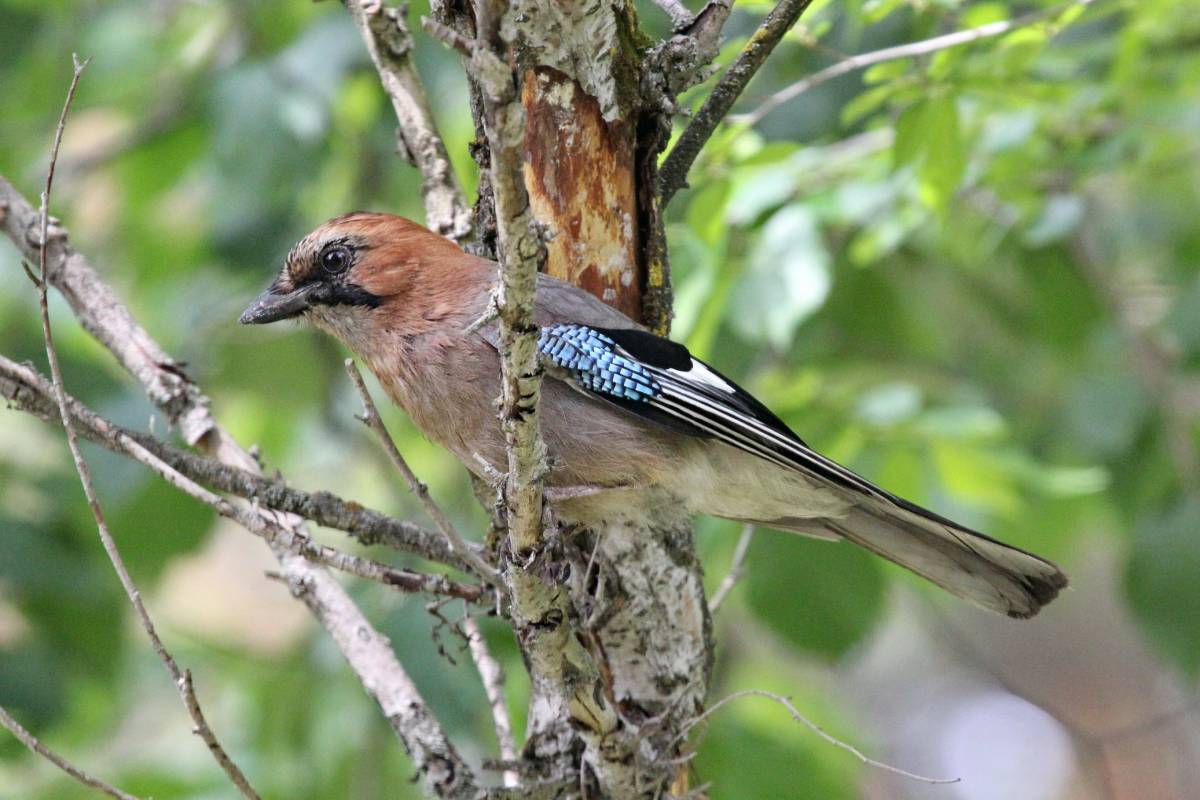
(357, 270)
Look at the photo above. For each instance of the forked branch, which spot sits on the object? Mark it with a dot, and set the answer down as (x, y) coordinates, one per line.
(182, 678)
(673, 174)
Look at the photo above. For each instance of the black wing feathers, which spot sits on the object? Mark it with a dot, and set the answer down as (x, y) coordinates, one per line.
(655, 351)
(698, 400)
(693, 398)
(651, 350)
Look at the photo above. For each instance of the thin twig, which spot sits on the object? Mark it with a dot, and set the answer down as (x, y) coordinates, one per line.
(448, 36)
(182, 682)
(736, 570)
(446, 775)
(370, 417)
(173, 101)
(566, 681)
(259, 521)
(188, 409)
(33, 743)
(923, 47)
(492, 676)
(681, 18)
(673, 174)
(366, 525)
(489, 314)
(182, 678)
(388, 41)
(812, 726)
(522, 254)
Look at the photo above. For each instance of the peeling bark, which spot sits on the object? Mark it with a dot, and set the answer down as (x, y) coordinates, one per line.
(619, 643)
(581, 182)
(635, 591)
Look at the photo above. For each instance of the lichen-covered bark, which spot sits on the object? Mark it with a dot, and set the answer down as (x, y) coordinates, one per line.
(591, 142)
(613, 621)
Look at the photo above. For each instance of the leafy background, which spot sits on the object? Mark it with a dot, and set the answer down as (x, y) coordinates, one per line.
(971, 276)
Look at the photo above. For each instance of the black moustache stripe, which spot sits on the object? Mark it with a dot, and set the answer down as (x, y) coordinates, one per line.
(344, 294)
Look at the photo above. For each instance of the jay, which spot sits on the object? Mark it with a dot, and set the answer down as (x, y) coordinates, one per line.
(634, 417)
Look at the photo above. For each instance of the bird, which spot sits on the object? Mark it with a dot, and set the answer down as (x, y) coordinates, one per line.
(633, 424)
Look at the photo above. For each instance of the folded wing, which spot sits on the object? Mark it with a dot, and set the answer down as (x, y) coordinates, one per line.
(661, 381)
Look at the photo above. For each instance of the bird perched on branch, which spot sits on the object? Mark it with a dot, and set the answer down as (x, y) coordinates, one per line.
(632, 422)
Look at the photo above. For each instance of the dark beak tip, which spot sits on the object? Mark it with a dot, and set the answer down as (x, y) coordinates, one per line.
(271, 307)
(254, 313)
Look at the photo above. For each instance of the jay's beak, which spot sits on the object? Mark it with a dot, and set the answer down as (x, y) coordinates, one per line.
(272, 306)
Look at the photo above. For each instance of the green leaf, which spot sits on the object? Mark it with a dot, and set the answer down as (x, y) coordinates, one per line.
(945, 160)
(974, 476)
(875, 10)
(1071, 13)
(886, 71)
(882, 236)
(910, 135)
(927, 134)
(787, 280)
(984, 14)
(1060, 216)
(821, 596)
(889, 403)
(694, 281)
(706, 212)
(758, 191)
(1018, 49)
(866, 103)
(944, 63)
(771, 153)
(1161, 581)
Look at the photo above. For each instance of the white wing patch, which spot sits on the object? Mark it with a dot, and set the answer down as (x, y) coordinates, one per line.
(700, 373)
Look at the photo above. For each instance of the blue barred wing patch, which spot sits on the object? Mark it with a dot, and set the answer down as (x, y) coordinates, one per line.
(596, 362)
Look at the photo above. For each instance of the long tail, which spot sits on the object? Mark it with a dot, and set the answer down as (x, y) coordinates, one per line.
(961, 561)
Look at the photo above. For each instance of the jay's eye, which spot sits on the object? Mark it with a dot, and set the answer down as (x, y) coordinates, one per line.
(335, 259)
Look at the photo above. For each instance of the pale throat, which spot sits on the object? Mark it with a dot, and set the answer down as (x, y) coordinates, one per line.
(387, 353)
(352, 326)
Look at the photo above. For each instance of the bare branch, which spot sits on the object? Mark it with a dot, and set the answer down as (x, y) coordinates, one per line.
(680, 17)
(258, 521)
(492, 676)
(388, 41)
(367, 652)
(923, 47)
(182, 682)
(673, 174)
(458, 544)
(448, 36)
(676, 64)
(371, 657)
(106, 318)
(33, 743)
(706, 28)
(736, 569)
(566, 681)
(815, 728)
(369, 527)
(522, 254)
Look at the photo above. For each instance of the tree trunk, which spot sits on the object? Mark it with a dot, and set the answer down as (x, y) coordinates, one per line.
(591, 147)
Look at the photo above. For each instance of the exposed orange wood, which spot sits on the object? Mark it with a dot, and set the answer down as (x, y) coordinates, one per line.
(579, 174)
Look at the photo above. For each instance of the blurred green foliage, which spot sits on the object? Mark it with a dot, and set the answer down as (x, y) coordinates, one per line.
(969, 275)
